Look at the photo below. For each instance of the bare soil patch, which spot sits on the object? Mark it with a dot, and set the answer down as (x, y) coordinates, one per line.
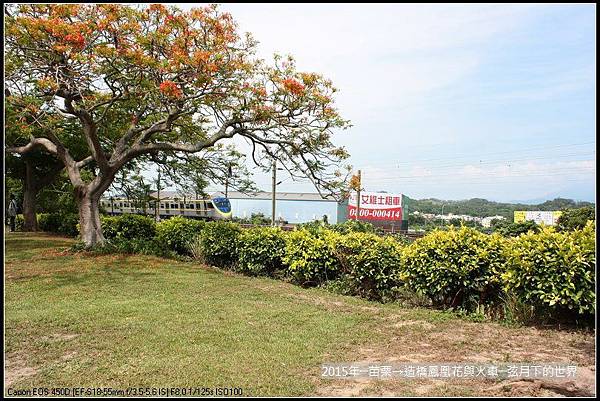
(458, 341)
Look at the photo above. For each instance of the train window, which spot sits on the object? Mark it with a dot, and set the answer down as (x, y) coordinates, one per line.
(191, 206)
(209, 205)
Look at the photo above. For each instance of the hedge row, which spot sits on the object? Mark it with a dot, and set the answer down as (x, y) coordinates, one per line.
(550, 271)
(65, 223)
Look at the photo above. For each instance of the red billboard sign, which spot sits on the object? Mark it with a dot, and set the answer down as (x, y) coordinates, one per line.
(376, 206)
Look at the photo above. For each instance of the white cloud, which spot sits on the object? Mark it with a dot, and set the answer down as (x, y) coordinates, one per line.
(391, 60)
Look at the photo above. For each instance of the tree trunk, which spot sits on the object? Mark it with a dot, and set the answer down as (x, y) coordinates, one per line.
(89, 218)
(29, 216)
(30, 190)
(88, 200)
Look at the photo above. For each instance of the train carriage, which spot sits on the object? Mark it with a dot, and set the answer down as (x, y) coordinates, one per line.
(216, 207)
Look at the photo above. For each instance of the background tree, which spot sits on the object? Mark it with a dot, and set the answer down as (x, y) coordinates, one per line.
(575, 219)
(221, 165)
(135, 187)
(36, 169)
(508, 228)
(156, 79)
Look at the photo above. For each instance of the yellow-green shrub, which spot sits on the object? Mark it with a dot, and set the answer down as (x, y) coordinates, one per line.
(260, 251)
(369, 263)
(455, 267)
(178, 232)
(128, 226)
(217, 243)
(310, 257)
(554, 271)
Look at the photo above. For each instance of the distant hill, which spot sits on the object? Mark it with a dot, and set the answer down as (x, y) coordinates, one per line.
(484, 208)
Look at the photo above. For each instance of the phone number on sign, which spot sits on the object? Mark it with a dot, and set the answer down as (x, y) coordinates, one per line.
(387, 214)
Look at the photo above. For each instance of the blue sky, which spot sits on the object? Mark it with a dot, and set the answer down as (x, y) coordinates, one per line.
(450, 101)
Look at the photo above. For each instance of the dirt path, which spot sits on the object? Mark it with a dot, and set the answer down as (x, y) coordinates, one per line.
(411, 340)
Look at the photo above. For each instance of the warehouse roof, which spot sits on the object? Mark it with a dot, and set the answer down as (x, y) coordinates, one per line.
(260, 195)
(292, 196)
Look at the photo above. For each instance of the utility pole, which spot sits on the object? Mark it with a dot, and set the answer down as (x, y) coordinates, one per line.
(358, 196)
(227, 178)
(274, 184)
(157, 204)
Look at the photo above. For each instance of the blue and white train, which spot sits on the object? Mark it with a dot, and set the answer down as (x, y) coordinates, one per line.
(217, 207)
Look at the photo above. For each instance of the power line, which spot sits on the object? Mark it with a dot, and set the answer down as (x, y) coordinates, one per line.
(488, 182)
(481, 181)
(502, 161)
(568, 170)
(522, 150)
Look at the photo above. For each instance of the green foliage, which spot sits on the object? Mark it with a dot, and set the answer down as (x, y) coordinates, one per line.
(509, 229)
(575, 219)
(455, 268)
(109, 226)
(217, 243)
(257, 219)
(516, 312)
(128, 226)
(541, 273)
(370, 263)
(19, 222)
(347, 226)
(483, 208)
(260, 251)
(178, 232)
(355, 226)
(309, 256)
(65, 224)
(400, 238)
(314, 227)
(554, 271)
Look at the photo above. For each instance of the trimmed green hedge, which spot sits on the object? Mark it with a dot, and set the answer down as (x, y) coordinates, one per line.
(370, 264)
(177, 233)
(310, 257)
(128, 226)
(217, 243)
(554, 271)
(457, 268)
(260, 251)
(462, 268)
(65, 224)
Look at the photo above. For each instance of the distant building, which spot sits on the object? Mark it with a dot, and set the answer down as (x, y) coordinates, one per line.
(548, 218)
(293, 207)
(487, 221)
(450, 216)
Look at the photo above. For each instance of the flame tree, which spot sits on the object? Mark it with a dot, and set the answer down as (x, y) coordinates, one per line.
(142, 81)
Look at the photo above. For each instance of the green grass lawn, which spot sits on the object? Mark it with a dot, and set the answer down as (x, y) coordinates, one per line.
(143, 321)
(120, 321)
